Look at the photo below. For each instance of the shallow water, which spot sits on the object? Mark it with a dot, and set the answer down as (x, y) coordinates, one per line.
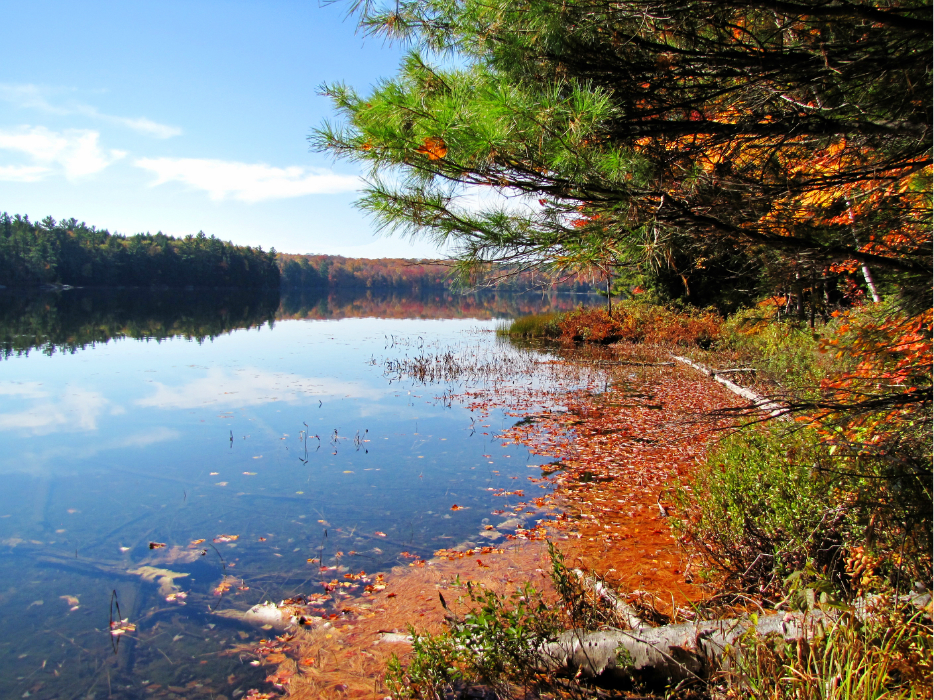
(286, 433)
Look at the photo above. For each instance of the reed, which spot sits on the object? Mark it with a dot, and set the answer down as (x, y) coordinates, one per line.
(535, 326)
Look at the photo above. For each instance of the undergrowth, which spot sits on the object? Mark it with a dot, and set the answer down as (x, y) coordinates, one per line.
(497, 643)
(761, 508)
(630, 321)
(883, 656)
(774, 501)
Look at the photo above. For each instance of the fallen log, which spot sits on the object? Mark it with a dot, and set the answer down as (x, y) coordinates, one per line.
(773, 408)
(672, 652)
(696, 649)
(627, 614)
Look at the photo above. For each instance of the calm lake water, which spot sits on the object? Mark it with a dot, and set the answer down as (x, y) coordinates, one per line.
(129, 418)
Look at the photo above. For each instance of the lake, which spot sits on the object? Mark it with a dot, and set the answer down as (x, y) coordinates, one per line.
(186, 455)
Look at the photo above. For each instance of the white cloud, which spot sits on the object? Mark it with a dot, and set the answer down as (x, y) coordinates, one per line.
(144, 126)
(35, 97)
(23, 173)
(247, 182)
(76, 151)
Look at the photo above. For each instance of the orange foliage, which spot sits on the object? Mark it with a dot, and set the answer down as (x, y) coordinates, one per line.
(635, 323)
(434, 147)
(891, 357)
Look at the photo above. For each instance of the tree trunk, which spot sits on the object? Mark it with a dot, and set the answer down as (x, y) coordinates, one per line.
(672, 652)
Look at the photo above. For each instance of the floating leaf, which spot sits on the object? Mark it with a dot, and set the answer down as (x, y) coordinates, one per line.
(156, 545)
(118, 627)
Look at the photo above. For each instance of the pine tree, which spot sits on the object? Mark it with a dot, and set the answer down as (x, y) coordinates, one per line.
(661, 132)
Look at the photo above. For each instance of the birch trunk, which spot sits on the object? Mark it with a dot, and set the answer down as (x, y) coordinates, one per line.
(672, 652)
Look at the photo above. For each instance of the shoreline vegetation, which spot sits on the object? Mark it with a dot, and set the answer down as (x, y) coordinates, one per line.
(675, 505)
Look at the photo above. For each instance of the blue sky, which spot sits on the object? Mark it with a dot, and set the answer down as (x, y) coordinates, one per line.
(186, 116)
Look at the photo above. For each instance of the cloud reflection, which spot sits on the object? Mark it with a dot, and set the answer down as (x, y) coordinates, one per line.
(75, 410)
(251, 387)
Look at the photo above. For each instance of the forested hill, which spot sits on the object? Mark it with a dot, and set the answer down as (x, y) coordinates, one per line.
(68, 252)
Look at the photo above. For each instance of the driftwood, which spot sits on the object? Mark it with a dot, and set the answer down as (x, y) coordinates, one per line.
(773, 408)
(627, 614)
(671, 652)
(692, 649)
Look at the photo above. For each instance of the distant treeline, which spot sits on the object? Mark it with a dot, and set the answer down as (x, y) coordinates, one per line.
(67, 252)
(401, 274)
(73, 253)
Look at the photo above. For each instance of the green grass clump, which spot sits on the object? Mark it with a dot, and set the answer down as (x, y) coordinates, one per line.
(886, 655)
(535, 326)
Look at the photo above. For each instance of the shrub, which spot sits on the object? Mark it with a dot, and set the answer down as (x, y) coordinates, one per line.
(764, 505)
(496, 643)
(638, 322)
(787, 352)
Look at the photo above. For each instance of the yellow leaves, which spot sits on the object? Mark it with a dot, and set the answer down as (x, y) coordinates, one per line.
(434, 147)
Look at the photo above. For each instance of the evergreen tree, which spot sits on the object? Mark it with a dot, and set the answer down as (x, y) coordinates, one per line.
(659, 132)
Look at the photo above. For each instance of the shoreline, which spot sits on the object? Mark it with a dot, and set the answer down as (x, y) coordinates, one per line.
(629, 450)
